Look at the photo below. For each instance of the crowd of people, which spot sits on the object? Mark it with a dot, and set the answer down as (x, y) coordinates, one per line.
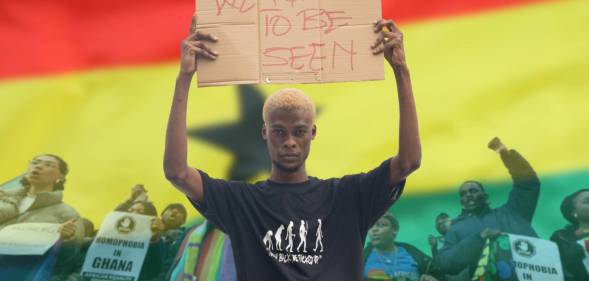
(38, 199)
(259, 231)
(454, 252)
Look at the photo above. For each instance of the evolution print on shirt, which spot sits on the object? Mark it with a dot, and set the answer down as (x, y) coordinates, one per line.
(295, 252)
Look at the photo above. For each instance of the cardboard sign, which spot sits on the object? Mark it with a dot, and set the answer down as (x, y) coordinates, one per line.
(118, 251)
(28, 238)
(535, 259)
(289, 41)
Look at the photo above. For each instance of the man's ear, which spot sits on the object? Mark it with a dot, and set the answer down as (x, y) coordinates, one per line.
(264, 132)
(314, 131)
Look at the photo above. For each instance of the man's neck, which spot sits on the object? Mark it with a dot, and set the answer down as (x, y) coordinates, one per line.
(478, 211)
(289, 177)
(33, 190)
(389, 248)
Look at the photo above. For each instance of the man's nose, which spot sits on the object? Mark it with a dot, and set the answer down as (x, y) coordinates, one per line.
(290, 142)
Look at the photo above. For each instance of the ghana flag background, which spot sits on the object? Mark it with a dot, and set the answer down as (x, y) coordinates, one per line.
(92, 81)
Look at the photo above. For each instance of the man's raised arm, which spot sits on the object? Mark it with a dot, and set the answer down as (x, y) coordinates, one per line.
(408, 158)
(185, 178)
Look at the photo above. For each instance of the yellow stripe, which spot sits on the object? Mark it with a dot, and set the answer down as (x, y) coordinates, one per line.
(519, 74)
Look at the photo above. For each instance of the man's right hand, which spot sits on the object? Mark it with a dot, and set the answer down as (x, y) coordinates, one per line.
(489, 233)
(193, 47)
(138, 193)
(433, 242)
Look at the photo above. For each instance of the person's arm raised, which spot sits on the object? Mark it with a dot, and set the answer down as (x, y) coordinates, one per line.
(408, 158)
(177, 171)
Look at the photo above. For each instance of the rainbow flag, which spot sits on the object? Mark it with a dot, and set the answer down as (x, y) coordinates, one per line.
(92, 81)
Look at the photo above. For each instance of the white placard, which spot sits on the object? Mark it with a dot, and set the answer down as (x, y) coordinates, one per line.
(535, 259)
(118, 251)
(28, 238)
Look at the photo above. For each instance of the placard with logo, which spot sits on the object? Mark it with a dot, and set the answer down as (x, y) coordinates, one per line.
(512, 257)
(118, 251)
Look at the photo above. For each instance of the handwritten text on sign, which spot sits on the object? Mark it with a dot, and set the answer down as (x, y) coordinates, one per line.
(289, 41)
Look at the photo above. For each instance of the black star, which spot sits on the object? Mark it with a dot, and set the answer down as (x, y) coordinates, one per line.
(243, 138)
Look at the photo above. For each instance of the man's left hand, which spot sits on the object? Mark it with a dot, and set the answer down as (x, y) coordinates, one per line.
(389, 41)
(67, 230)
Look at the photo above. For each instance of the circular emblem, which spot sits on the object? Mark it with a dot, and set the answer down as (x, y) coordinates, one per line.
(125, 225)
(524, 248)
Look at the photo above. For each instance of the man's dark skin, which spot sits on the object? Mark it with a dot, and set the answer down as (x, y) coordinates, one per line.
(288, 135)
(474, 199)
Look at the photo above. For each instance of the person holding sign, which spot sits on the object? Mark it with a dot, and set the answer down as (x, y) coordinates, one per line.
(39, 200)
(477, 222)
(275, 225)
(572, 240)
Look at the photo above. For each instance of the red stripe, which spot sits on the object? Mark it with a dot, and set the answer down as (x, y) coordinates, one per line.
(44, 37)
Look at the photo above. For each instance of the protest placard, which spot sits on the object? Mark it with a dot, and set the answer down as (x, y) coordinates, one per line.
(289, 41)
(28, 238)
(118, 251)
(535, 259)
(511, 257)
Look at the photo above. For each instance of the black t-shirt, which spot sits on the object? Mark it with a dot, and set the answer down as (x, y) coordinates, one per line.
(306, 231)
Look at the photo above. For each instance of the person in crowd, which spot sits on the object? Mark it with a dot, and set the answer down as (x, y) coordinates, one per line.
(173, 217)
(443, 223)
(138, 193)
(387, 259)
(340, 210)
(152, 265)
(573, 239)
(39, 199)
(478, 221)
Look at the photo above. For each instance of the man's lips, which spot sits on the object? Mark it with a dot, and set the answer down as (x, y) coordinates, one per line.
(289, 156)
(33, 173)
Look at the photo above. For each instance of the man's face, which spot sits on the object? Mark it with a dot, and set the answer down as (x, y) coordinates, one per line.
(43, 171)
(288, 135)
(173, 218)
(382, 234)
(443, 224)
(137, 208)
(472, 197)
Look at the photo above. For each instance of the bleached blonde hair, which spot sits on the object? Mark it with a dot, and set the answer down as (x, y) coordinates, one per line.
(288, 99)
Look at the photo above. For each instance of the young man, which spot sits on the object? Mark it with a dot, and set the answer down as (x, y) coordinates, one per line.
(477, 222)
(252, 214)
(443, 223)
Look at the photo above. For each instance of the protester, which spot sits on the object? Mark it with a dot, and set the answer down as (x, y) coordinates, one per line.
(387, 259)
(477, 222)
(573, 239)
(152, 265)
(173, 217)
(39, 200)
(443, 223)
(138, 193)
(336, 213)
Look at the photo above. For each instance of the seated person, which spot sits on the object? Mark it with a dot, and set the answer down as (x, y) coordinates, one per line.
(386, 259)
